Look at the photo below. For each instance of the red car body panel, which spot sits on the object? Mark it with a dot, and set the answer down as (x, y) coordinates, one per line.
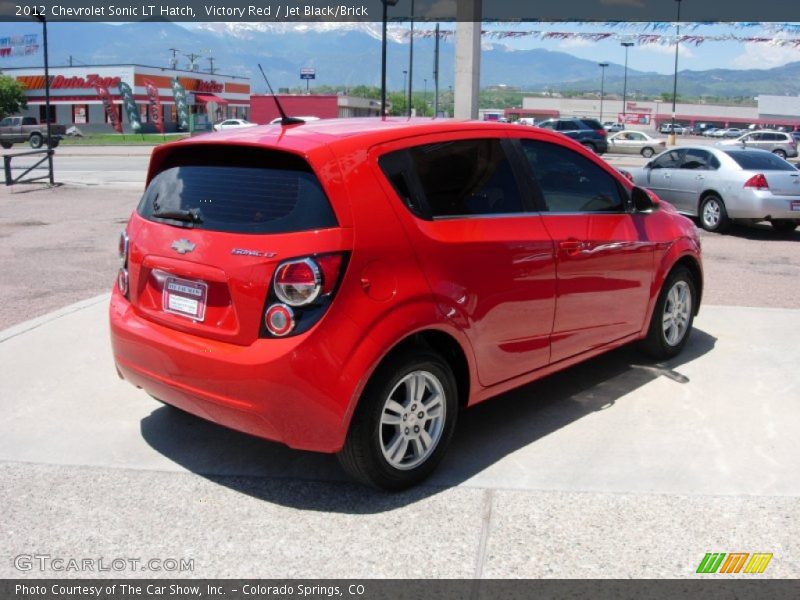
(521, 295)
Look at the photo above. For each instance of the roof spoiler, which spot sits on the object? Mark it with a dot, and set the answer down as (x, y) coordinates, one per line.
(285, 120)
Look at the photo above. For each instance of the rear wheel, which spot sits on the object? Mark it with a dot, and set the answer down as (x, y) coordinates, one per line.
(36, 140)
(403, 423)
(783, 225)
(780, 153)
(590, 147)
(647, 152)
(6, 145)
(673, 316)
(713, 216)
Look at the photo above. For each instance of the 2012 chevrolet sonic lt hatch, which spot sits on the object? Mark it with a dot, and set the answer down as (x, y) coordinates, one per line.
(348, 285)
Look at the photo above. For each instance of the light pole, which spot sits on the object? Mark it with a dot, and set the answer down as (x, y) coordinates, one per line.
(602, 66)
(386, 4)
(405, 86)
(411, 61)
(425, 98)
(671, 139)
(625, 84)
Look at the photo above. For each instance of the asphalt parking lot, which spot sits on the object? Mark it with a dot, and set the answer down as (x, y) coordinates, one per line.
(616, 468)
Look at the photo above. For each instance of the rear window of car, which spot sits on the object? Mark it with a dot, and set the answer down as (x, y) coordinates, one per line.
(592, 124)
(454, 179)
(237, 190)
(760, 161)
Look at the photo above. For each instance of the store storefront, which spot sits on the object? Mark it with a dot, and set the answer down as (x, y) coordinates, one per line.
(74, 99)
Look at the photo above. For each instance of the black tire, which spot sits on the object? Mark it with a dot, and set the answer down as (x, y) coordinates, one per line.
(590, 147)
(363, 453)
(648, 152)
(713, 215)
(6, 145)
(54, 142)
(784, 225)
(657, 344)
(36, 140)
(779, 153)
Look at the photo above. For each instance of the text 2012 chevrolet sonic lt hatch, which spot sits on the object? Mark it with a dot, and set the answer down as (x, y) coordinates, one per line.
(349, 285)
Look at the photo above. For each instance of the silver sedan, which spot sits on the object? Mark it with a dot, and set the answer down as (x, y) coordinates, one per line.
(722, 184)
(635, 142)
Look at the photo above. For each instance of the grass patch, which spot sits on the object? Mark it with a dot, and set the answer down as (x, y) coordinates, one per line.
(118, 139)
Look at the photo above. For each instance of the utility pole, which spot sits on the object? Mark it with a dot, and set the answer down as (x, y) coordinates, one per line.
(173, 63)
(671, 137)
(602, 66)
(626, 45)
(192, 60)
(211, 64)
(436, 74)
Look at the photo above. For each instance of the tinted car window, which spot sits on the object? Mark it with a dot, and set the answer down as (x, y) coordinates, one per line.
(240, 198)
(592, 124)
(570, 182)
(451, 179)
(760, 161)
(696, 159)
(567, 125)
(668, 160)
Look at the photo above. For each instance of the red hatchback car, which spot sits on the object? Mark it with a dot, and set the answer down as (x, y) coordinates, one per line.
(348, 285)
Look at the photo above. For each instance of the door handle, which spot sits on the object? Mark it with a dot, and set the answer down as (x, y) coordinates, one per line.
(667, 175)
(571, 246)
(699, 177)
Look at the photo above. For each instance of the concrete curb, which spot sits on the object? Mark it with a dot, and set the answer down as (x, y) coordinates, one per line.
(26, 326)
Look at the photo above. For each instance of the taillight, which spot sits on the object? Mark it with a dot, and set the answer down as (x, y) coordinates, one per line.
(298, 282)
(122, 248)
(758, 182)
(279, 319)
(122, 276)
(302, 290)
(601, 132)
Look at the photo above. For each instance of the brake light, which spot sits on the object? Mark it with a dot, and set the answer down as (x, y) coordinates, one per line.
(302, 290)
(298, 282)
(122, 276)
(758, 182)
(601, 132)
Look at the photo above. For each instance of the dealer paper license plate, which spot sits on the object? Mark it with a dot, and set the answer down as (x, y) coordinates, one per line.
(186, 298)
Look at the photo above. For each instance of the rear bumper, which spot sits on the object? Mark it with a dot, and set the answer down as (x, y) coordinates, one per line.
(286, 390)
(763, 205)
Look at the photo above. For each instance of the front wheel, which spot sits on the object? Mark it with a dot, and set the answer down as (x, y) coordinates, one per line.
(403, 423)
(647, 152)
(713, 216)
(672, 317)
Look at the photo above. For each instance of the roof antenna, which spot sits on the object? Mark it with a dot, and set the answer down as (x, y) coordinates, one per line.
(284, 119)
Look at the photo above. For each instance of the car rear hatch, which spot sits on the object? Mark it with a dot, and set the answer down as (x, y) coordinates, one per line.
(214, 223)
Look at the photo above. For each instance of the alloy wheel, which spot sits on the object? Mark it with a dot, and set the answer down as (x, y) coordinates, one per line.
(677, 313)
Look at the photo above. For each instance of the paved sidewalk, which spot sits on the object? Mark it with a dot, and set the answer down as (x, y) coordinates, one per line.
(615, 468)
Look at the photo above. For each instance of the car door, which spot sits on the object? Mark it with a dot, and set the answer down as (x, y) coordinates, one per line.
(483, 248)
(657, 174)
(690, 179)
(604, 259)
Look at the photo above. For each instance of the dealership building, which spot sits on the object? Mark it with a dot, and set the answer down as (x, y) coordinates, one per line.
(770, 111)
(74, 99)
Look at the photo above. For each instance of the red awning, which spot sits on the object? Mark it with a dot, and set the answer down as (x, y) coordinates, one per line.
(210, 98)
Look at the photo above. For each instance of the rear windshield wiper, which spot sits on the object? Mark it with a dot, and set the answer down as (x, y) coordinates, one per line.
(187, 216)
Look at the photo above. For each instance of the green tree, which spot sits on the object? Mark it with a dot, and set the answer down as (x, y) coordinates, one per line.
(12, 96)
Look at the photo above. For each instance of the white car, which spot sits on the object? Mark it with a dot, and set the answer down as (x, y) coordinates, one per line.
(233, 124)
(635, 142)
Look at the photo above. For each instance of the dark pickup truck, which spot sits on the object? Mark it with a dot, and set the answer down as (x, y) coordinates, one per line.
(18, 130)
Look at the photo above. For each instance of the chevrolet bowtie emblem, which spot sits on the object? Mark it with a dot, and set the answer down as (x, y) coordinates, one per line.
(182, 246)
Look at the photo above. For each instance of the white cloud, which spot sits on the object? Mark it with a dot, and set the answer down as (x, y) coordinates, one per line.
(765, 56)
(576, 43)
(684, 51)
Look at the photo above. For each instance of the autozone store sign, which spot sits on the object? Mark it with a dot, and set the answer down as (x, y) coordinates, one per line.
(36, 82)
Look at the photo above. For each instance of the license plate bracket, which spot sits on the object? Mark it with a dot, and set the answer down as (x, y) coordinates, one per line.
(185, 298)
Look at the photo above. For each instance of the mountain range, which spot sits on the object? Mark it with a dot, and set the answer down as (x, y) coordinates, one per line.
(349, 55)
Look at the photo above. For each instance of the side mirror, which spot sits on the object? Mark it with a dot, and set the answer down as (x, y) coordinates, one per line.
(643, 201)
